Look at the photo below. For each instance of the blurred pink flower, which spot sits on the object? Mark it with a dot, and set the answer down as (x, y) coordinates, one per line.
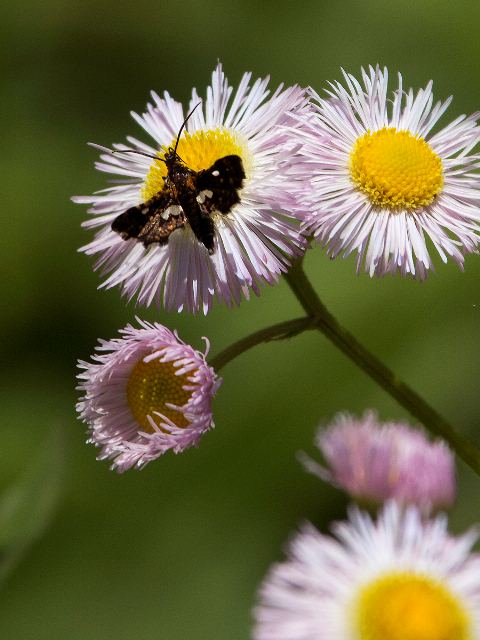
(145, 393)
(374, 462)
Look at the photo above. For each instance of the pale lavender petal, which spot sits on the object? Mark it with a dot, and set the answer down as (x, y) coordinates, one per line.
(344, 220)
(254, 243)
(310, 595)
(104, 405)
(375, 462)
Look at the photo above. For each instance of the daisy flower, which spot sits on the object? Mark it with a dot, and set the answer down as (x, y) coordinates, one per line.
(253, 241)
(145, 393)
(400, 578)
(383, 185)
(374, 462)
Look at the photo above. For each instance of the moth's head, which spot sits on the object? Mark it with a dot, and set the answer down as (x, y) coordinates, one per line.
(171, 156)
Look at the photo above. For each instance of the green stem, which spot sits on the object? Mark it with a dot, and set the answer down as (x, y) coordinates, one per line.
(407, 397)
(276, 332)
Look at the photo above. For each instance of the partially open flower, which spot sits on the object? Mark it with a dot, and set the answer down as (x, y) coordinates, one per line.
(145, 393)
(399, 578)
(374, 462)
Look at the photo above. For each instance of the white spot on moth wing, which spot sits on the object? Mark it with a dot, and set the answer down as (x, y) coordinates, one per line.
(204, 194)
(215, 173)
(172, 210)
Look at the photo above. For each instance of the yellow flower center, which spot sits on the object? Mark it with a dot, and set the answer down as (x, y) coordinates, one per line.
(396, 169)
(405, 606)
(150, 386)
(198, 150)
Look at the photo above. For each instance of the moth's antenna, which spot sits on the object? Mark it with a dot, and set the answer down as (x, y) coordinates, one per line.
(142, 153)
(114, 151)
(183, 126)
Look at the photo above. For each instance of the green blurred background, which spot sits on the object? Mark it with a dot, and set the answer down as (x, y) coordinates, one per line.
(176, 551)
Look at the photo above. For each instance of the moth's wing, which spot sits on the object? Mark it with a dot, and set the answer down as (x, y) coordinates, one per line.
(162, 224)
(201, 223)
(225, 173)
(218, 186)
(131, 223)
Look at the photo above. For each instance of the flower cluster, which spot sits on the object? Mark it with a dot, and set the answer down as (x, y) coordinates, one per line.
(225, 196)
(401, 577)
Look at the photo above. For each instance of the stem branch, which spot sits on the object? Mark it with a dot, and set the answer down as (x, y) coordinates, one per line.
(278, 331)
(346, 342)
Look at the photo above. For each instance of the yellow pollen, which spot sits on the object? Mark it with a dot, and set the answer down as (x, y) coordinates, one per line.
(396, 169)
(150, 386)
(198, 150)
(406, 606)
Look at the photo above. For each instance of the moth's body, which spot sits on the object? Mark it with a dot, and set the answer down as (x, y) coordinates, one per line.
(187, 197)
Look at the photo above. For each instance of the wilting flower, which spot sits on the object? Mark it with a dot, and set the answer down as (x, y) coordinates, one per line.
(400, 578)
(145, 393)
(253, 241)
(374, 461)
(383, 185)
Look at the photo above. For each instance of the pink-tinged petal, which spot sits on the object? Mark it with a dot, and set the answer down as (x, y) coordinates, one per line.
(254, 243)
(375, 462)
(105, 406)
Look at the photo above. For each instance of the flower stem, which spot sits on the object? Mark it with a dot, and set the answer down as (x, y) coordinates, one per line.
(278, 331)
(407, 397)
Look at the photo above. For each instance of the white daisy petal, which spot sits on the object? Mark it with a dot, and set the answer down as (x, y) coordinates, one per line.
(401, 577)
(254, 242)
(366, 154)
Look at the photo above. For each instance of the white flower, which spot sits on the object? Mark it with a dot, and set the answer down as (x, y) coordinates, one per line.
(383, 185)
(400, 578)
(253, 241)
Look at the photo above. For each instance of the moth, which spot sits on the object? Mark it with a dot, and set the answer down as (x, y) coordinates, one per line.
(188, 197)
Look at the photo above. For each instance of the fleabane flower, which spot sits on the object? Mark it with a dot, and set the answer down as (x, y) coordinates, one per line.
(383, 185)
(375, 462)
(399, 578)
(145, 393)
(253, 239)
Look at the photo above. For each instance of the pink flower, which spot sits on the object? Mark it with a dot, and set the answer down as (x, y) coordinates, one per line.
(145, 393)
(374, 462)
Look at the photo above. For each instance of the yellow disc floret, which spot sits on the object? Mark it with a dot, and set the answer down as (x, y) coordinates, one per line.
(198, 150)
(406, 606)
(150, 386)
(396, 169)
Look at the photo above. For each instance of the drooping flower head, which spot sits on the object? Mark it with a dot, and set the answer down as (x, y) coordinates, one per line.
(145, 393)
(400, 578)
(383, 185)
(253, 238)
(375, 462)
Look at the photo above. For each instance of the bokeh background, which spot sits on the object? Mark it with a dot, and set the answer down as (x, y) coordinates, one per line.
(177, 550)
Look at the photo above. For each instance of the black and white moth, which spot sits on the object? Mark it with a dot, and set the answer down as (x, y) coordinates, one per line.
(187, 198)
